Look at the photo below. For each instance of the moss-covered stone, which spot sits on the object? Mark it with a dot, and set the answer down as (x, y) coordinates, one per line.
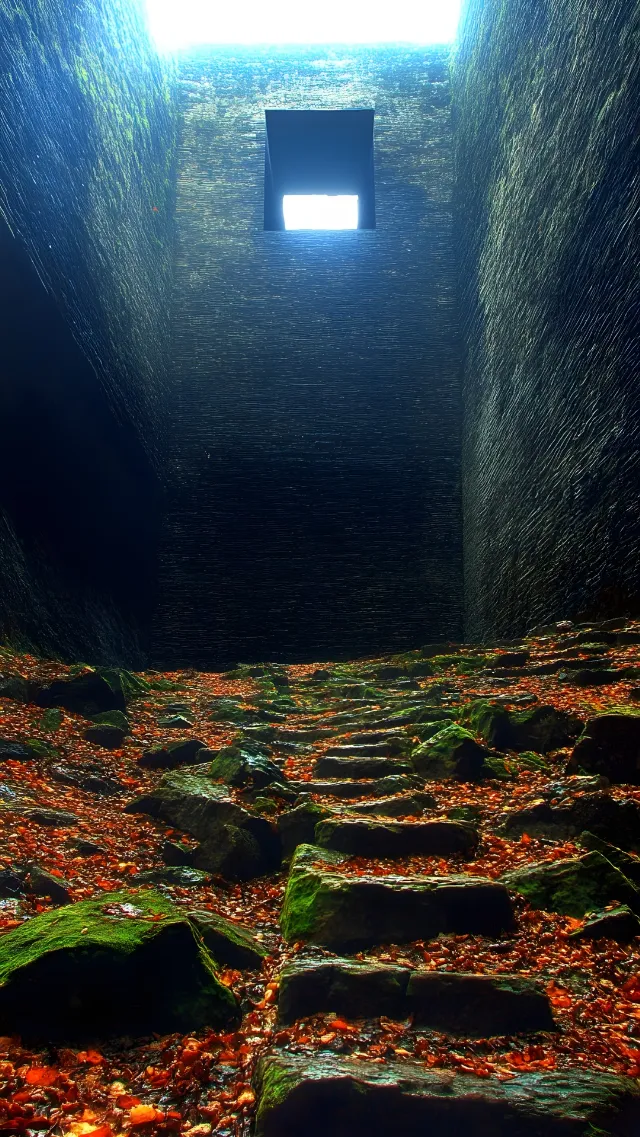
(352, 912)
(537, 728)
(574, 886)
(329, 1094)
(182, 752)
(451, 753)
(126, 963)
(230, 943)
(369, 837)
(245, 763)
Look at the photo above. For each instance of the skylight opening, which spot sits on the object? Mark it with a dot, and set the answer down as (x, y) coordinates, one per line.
(180, 24)
(320, 211)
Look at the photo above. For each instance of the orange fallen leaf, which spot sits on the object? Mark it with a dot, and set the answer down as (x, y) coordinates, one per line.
(41, 1076)
(144, 1114)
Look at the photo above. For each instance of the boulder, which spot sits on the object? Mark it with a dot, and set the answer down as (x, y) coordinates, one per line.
(345, 1097)
(350, 988)
(189, 800)
(105, 689)
(366, 837)
(176, 853)
(182, 752)
(573, 886)
(618, 924)
(87, 777)
(628, 863)
(600, 813)
(478, 1006)
(244, 763)
(610, 745)
(536, 728)
(17, 688)
(354, 767)
(111, 737)
(175, 722)
(55, 818)
(451, 753)
(15, 750)
(182, 876)
(239, 852)
(230, 943)
(347, 913)
(297, 826)
(127, 963)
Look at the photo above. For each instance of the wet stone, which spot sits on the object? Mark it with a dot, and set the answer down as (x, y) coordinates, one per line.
(364, 837)
(297, 826)
(54, 818)
(607, 818)
(405, 805)
(451, 753)
(619, 924)
(183, 876)
(124, 963)
(573, 886)
(387, 748)
(17, 751)
(320, 1095)
(539, 728)
(478, 1006)
(182, 752)
(347, 913)
(353, 767)
(229, 942)
(346, 987)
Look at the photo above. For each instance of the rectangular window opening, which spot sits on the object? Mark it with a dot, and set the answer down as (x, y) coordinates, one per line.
(319, 170)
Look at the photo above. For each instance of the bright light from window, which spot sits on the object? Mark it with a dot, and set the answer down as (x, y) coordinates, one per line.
(320, 211)
(177, 24)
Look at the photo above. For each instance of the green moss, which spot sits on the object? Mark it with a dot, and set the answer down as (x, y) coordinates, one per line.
(276, 1085)
(575, 886)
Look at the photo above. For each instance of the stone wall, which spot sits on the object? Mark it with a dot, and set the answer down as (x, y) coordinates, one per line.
(546, 112)
(87, 147)
(315, 506)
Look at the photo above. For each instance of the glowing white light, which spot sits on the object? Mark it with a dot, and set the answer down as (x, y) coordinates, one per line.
(177, 24)
(320, 211)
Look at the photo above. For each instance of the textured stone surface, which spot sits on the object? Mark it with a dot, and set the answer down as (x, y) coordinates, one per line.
(545, 102)
(316, 415)
(351, 912)
(366, 837)
(88, 142)
(311, 1097)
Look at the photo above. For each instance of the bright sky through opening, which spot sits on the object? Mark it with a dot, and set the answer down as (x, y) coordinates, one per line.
(177, 24)
(320, 211)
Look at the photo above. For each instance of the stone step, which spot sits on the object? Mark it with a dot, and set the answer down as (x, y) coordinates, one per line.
(364, 837)
(302, 1096)
(375, 736)
(387, 748)
(353, 767)
(405, 805)
(460, 1004)
(348, 913)
(369, 788)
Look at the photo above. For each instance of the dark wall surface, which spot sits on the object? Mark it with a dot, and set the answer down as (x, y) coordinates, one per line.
(87, 146)
(546, 100)
(315, 505)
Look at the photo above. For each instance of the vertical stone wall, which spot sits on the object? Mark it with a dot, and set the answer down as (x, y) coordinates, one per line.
(87, 149)
(315, 425)
(546, 111)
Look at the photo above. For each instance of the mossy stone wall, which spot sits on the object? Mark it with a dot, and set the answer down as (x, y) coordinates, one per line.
(546, 105)
(315, 423)
(87, 151)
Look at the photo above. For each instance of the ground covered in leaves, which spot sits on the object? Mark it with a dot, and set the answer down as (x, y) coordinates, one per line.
(202, 1083)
